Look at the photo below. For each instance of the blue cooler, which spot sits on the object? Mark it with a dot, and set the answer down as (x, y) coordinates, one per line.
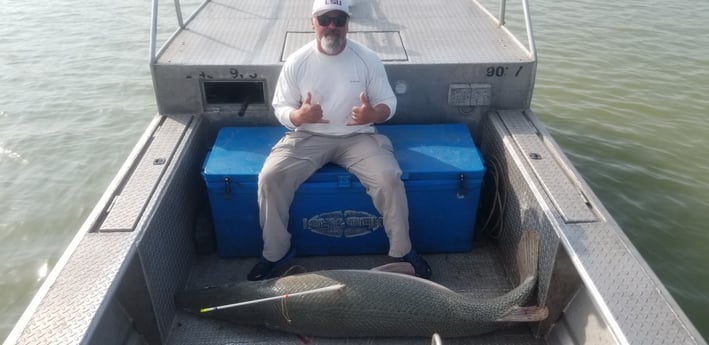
(331, 213)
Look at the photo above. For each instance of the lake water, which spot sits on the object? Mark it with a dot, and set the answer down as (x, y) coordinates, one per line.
(622, 85)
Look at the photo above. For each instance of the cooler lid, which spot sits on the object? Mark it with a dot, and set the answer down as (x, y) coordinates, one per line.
(435, 151)
(424, 152)
(239, 153)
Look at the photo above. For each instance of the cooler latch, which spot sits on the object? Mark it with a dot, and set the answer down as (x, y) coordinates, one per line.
(461, 186)
(227, 188)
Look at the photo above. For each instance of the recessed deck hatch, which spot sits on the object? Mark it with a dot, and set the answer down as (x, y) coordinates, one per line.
(387, 44)
(234, 92)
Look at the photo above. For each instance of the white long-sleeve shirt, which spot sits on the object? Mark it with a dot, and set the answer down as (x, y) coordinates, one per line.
(335, 82)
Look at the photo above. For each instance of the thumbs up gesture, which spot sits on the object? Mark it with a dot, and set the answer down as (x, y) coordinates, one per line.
(307, 113)
(366, 113)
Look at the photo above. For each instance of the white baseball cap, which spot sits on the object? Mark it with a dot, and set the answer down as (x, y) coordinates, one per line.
(323, 6)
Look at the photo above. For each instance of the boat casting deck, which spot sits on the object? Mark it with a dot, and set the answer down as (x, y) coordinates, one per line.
(243, 32)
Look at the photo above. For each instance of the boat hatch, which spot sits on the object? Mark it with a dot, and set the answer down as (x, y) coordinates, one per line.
(237, 93)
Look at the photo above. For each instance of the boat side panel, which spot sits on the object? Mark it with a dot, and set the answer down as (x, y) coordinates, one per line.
(522, 209)
(527, 206)
(165, 247)
(424, 92)
(628, 296)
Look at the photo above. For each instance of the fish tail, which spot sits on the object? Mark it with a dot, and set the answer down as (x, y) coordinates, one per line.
(528, 266)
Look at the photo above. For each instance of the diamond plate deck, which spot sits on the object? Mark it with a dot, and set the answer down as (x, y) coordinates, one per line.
(564, 194)
(68, 309)
(126, 209)
(209, 38)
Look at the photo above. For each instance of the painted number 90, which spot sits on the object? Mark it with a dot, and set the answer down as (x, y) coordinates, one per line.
(501, 71)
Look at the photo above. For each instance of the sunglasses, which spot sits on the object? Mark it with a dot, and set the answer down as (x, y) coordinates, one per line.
(338, 20)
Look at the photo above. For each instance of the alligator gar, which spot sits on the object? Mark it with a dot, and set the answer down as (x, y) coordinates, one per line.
(371, 303)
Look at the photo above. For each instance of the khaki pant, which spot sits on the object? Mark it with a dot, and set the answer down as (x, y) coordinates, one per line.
(299, 154)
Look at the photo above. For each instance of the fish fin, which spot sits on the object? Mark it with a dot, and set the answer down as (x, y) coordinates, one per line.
(396, 267)
(293, 270)
(525, 314)
(528, 255)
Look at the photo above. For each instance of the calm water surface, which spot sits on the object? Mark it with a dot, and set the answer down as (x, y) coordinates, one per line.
(622, 86)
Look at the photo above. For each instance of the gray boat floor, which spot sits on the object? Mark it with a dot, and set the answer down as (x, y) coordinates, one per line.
(478, 272)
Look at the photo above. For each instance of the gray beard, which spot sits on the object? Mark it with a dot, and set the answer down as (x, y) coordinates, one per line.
(331, 45)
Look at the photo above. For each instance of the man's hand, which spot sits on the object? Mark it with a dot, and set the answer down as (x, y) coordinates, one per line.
(366, 113)
(307, 113)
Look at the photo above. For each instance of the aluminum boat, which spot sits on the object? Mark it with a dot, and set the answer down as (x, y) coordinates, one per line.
(455, 61)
